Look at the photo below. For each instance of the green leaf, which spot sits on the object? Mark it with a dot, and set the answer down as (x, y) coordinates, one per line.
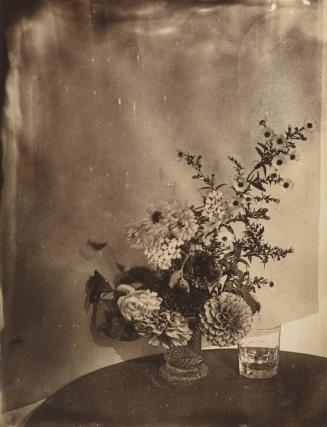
(96, 285)
(259, 152)
(264, 169)
(258, 166)
(237, 249)
(258, 185)
(243, 262)
(184, 285)
(174, 278)
(254, 304)
(219, 186)
(229, 228)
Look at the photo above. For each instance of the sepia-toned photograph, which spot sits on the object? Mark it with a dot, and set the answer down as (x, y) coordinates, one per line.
(163, 213)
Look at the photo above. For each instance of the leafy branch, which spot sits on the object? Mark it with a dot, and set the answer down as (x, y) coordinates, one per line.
(196, 163)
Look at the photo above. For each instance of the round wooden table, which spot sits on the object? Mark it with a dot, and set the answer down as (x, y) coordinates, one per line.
(133, 394)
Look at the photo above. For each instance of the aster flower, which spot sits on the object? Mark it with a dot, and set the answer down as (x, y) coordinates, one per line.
(309, 126)
(240, 184)
(266, 133)
(163, 252)
(169, 329)
(287, 185)
(248, 199)
(279, 161)
(279, 142)
(236, 205)
(225, 238)
(226, 318)
(239, 229)
(293, 156)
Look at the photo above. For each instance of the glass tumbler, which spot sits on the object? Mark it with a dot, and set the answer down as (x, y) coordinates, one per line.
(259, 350)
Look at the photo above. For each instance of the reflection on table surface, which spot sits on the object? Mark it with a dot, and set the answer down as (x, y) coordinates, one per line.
(133, 393)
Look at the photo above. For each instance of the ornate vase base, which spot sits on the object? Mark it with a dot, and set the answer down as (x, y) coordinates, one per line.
(183, 376)
(183, 365)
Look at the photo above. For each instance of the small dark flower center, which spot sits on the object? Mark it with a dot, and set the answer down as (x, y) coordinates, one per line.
(292, 156)
(267, 134)
(248, 199)
(180, 154)
(279, 162)
(235, 203)
(224, 238)
(241, 184)
(309, 125)
(271, 284)
(286, 185)
(156, 217)
(273, 175)
(279, 141)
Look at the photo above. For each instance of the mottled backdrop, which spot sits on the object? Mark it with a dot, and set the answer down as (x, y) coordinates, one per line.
(97, 101)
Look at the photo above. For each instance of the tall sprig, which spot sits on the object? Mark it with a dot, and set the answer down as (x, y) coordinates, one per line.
(250, 187)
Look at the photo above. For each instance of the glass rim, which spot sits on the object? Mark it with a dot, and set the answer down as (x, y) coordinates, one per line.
(263, 316)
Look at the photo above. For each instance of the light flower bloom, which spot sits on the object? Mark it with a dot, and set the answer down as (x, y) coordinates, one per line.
(236, 205)
(214, 197)
(226, 318)
(287, 185)
(293, 156)
(279, 161)
(225, 238)
(163, 252)
(215, 207)
(156, 225)
(158, 220)
(309, 126)
(279, 142)
(169, 329)
(239, 228)
(240, 184)
(266, 133)
(186, 225)
(134, 305)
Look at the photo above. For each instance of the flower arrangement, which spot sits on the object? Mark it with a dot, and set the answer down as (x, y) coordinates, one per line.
(199, 257)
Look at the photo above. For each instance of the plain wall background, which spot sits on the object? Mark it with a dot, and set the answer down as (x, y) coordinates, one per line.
(95, 110)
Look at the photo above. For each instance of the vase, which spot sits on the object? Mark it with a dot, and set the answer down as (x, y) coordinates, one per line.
(185, 364)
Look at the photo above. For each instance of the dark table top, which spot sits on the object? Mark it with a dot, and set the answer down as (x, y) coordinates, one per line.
(133, 394)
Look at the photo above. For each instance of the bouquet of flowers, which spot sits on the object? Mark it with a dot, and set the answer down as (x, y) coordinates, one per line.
(199, 257)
